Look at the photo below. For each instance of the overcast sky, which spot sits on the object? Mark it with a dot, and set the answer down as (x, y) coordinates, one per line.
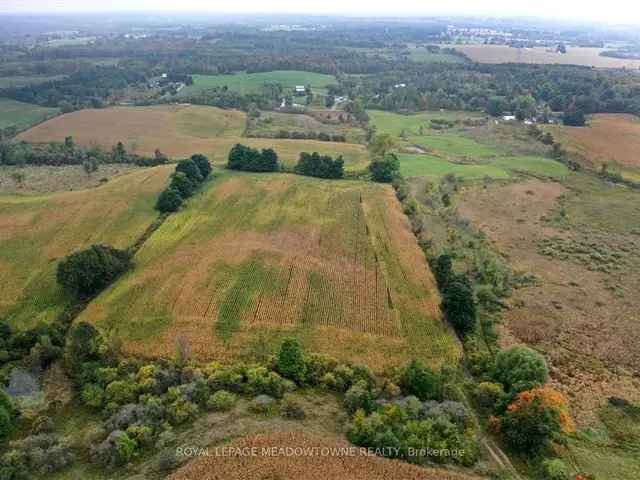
(611, 11)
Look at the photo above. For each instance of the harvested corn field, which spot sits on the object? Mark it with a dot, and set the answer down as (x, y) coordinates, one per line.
(333, 460)
(256, 257)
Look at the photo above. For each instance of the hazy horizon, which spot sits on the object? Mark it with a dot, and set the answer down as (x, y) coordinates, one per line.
(616, 11)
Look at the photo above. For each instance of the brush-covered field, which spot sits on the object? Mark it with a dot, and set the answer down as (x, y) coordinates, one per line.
(611, 139)
(22, 115)
(585, 56)
(257, 257)
(246, 83)
(471, 147)
(270, 124)
(36, 231)
(180, 131)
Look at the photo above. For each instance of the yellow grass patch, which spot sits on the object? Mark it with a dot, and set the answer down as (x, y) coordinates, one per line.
(609, 138)
(38, 231)
(332, 262)
(179, 131)
(543, 55)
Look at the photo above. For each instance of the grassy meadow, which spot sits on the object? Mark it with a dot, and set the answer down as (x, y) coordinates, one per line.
(255, 257)
(180, 131)
(36, 231)
(246, 83)
(22, 115)
(472, 152)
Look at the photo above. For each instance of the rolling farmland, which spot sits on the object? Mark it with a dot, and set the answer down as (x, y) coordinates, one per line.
(247, 83)
(179, 131)
(609, 138)
(588, 57)
(258, 257)
(22, 115)
(470, 152)
(37, 231)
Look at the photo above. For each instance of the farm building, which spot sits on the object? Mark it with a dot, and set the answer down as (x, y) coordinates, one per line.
(300, 90)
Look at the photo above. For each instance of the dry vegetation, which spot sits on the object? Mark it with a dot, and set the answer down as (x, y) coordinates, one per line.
(309, 467)
(256, 257)
(178, 131)
(609, 138)
(46, 179)
(582, 312)
(589, 57)
(36, 231)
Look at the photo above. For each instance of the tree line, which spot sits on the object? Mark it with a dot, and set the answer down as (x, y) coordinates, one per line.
(69, 153)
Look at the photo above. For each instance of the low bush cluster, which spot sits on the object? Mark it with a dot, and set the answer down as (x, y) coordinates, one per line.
(297, 135)
(419, 432)
(458, 303)
(41, 454)
(186, 179)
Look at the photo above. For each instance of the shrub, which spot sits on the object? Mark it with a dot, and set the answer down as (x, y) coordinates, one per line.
(261, 380)
(292, 409)
(203, 164)
(421, 381)
(443, 270)
(246, 158)
(43, 453)
(529, 425)
(121, 392)
(169, 201)
(262, 404)
(191, 170)
(83, 344)
(384, 169)
(291, 363)
(520, 368)
(359, 397)
(222, 401)
(321, 166)
(182, 184)
(181, 410)
(116, 450)
(92, 395)
(458, 305)
(487, 395)
(86, 273)
(555, 469)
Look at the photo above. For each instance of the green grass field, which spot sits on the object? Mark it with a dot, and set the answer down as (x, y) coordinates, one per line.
(395, 123)
(246, 83)
(255, 257)
(470, 152)
(435, 168)
(37, 231)
(22, 115)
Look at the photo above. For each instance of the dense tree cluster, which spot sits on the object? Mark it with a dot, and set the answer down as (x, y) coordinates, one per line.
(188, 176)
(87, 272)
(250, 159)
(321, 166)
(85, 88)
